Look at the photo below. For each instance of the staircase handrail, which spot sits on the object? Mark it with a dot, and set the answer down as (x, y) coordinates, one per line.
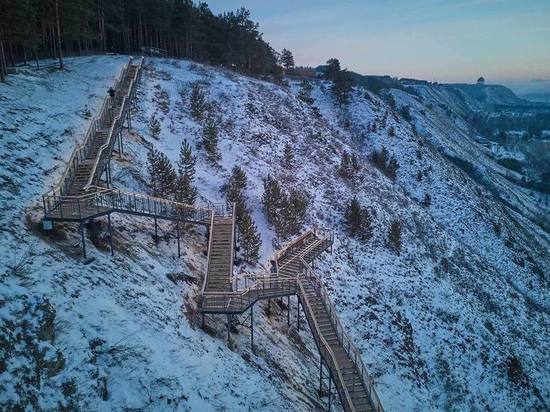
(106, 149)
(209, 252)
(233, 206)
(289, 245)
(344, 338)
(246, 296)
(323, 346)
(80, 151)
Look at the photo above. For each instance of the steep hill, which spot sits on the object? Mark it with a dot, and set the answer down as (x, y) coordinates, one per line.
(457, 320)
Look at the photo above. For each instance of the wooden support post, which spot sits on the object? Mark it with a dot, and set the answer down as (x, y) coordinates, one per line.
(156, 231)
(329, 389)
(269, 307)
(228, 327)
(298, 314)
(109, 176)
(121, 143)
(83, 240)
(320, 374)
(178, 236)
(129, 121)
(252, 328)
(119, 146)
(288, 307)
(110, 235)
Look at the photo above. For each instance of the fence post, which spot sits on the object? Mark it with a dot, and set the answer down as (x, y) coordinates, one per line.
(178, 236)
(83, 240)
(252, 328)
(110, 235)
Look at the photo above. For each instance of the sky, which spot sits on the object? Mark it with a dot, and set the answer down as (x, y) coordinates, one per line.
(506, 41)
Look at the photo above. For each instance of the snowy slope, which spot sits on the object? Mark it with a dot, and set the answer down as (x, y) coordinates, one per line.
(117, 333)
(439, 325)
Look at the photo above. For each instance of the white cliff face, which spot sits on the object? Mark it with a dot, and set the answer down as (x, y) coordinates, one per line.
(457, 320)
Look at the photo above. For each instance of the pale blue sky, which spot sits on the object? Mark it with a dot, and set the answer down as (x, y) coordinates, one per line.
(504, 40)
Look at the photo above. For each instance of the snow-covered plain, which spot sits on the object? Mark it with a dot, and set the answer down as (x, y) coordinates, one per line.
(438, 324)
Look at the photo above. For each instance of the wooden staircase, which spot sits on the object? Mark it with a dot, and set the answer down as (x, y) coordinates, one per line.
(294, 276)
(346, 367)
(77, 198)
(220, 254)
(88, 160)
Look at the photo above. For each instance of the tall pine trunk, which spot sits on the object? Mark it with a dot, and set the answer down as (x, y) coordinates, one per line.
(58, 35)
(2, 61)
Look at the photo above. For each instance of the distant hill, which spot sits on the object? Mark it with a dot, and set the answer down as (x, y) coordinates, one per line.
(488, 94)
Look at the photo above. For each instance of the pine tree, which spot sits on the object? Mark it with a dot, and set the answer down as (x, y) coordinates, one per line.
(394, 236)
(306, 88)
(352, 217)
(166, 177)
(392, 168)
(427, 200)
(293, 214)
(341, 87)
(358, 220)
(388, 165)
(349, 166)
(197, 100)
(345, 165)
(185, 192)
(285, 212)
(287, 59)
(250, 239)
(238, 178)
(273, 200)
(154, 127)
(234, 191)
(355, 165)
(210, 140)
(187, 162)
(288, 157)
(152, 169)
(333, 68)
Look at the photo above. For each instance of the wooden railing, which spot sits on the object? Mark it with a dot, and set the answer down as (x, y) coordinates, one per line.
(290, 247)
(345, 341)
(326, 351)
(105, 151)
(211, 236)
(238, 302)
(104, 200)
(82, 150)
(138, 203)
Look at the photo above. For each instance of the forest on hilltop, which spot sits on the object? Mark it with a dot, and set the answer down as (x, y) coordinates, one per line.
(36, 29)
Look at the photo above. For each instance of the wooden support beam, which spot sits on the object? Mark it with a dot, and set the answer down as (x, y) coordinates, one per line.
(119, 138)
(252, 328)
(110, 235)
(329, 388)
(178, 236)
(156, 231)
(83, 239)
(228, 328)
(320, 374)
(288, 308)
(298, 314)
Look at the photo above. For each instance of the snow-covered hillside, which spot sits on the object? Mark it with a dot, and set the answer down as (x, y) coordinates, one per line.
(458, 320)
